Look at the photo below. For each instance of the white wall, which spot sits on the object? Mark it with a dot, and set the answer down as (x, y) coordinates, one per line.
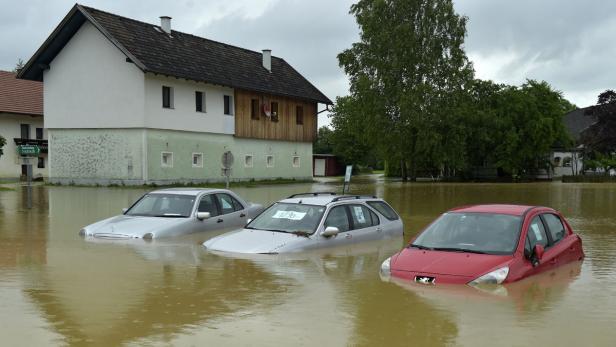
(183, 115)
(90, 85)
(10, 166)
(575, 165)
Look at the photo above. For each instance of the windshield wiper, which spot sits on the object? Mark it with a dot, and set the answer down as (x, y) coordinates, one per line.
(453, 249)
(421, 247)
(300, 233)
(170, 215)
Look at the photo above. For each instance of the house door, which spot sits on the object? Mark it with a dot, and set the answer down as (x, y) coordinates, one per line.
(319, 167)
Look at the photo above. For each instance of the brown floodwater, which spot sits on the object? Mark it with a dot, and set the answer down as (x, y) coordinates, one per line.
(58, 289)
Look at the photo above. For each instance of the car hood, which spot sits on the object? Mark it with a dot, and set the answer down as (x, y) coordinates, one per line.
(129, 226)
(254, 241)
(446, 263)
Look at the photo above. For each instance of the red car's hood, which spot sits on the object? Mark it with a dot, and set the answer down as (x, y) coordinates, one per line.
(446, 263)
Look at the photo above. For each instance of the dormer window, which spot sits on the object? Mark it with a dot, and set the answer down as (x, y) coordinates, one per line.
(167, 97)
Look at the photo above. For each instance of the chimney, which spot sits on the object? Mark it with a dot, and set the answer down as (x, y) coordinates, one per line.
(267, 59)
(165, 24)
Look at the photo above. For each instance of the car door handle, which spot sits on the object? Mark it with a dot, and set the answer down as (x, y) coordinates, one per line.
(219, 221)
(379, 229)
(242, 215)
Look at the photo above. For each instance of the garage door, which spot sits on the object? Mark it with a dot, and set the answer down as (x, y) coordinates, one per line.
(319, 167)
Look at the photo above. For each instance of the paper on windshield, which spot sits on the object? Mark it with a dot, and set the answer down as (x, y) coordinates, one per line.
(359, 213)
(292, 215)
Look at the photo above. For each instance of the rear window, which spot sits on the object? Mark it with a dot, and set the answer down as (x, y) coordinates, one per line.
(384, 209)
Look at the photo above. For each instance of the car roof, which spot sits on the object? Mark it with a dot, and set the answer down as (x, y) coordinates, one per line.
(326, 199)
(514, 210)
(186, 191)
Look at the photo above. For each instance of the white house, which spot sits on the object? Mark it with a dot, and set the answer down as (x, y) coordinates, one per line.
(131, 102)
(21, 123)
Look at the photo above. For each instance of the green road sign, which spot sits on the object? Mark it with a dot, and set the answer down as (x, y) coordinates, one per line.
(29, 150)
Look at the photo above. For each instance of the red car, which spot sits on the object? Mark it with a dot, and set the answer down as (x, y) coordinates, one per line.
(487, 244)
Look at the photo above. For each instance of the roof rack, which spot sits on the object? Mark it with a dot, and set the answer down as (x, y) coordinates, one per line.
(350, 197)
(313, 194)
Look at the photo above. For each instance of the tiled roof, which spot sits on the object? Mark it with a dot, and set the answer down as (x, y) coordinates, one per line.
(20, 96)
(179, 55)
(577, 121)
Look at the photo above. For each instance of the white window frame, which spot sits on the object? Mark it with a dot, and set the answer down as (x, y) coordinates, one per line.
(203, 104)
(162, 162)
(299, 162)
(252, 159)
(267, 164)
(171, 98)
(193, 160)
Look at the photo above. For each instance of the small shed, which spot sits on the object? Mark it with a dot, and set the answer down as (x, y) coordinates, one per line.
(326, 165)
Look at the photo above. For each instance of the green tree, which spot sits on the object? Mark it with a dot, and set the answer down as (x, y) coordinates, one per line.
(349, 141)
(323, 143)
(20, 64)
(2, 143)
(407, 73)
(601, 136)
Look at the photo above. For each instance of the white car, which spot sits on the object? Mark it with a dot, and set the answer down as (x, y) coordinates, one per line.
(312, 220)
(176, 211)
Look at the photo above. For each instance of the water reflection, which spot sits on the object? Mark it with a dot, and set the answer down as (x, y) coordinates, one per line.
(56, 288)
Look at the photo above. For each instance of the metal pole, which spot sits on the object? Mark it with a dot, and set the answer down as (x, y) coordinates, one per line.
(29, 187)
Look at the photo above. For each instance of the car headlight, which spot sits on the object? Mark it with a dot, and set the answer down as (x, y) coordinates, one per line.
(495, 277)
(385, 271)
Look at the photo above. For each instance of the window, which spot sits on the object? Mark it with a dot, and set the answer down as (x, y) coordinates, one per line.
(197, 160)
(362, 217)
(228, 204)
(555, 227)
(167, 97)
(41, 163)
(274, 110)
(207, 204)
(299, 115)
(536, 235)
(166, 159)
(25, 131)
(248, 161)
(199, 101)
(269, 161)
(338, 218)
(296, 161)
(39, 133)
(384, 209)
(254, 109)
(228, 100)
(567, 162)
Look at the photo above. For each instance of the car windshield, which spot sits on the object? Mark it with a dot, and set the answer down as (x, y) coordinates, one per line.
(163, 205)
(289, 218)
(472, 232)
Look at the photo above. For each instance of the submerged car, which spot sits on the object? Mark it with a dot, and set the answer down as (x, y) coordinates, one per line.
(486, 244)
(312, 220)
(176, 211)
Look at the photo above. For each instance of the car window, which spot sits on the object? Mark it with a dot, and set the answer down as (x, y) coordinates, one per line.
(361, 216)
(163, 205)
(207, 204)
(384, 209)
(338, 218)
(536, 235)
(555, 227)
(375, 218)
(228, 204)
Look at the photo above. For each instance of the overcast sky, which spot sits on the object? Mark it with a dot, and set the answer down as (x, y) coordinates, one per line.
(566, 43)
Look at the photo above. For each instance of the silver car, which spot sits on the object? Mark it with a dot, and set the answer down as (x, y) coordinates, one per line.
(176, 211)
(312, 220)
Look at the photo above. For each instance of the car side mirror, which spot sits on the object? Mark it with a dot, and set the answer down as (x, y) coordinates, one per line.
(124, 210)
(248, 220)
(330, 231)
(203, 215)
(537, 254)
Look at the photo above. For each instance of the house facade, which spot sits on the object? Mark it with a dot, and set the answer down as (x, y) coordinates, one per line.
(128, 102)
(21, 123)
(567, 161)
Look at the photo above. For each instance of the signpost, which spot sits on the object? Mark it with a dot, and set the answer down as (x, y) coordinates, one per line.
(347, 178)
(227, 162)
(27, 152)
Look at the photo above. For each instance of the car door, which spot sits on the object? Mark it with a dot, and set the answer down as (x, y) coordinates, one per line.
(232, 214)
(338, 217)
(536, 234)
(561, 244)
(364, 224)
(207, 203)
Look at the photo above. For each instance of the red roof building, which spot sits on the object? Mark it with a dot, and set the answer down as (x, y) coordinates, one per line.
(20, 96)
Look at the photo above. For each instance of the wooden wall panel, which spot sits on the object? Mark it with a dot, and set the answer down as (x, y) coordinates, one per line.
(264, 128)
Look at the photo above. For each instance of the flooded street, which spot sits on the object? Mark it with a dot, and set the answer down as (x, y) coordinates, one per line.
(58, 289)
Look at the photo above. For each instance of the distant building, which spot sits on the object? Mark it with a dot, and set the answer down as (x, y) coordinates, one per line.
(327, 165)
(132, 102)
(21, 123)
(567, 161)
